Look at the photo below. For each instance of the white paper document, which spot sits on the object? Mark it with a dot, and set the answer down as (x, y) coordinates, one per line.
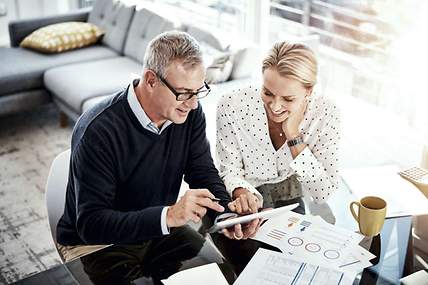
(198, 275)
(274, 268)
(417, 278)
(311, 239)
(401, 196)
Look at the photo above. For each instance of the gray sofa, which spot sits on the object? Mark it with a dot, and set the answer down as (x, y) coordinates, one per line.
(76, 80)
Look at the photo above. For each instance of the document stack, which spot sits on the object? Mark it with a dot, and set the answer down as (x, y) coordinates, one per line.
(312, 240)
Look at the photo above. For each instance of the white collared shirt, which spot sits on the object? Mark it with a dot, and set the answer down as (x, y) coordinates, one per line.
(248, 159)
(145, 121)
(141, 114)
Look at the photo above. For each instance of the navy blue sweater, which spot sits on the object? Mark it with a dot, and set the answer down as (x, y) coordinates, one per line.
(122, 175)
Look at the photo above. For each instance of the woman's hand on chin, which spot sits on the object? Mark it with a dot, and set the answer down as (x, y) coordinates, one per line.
(290, 126)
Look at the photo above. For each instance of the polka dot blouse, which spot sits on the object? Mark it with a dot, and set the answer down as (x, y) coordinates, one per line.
(247, 158)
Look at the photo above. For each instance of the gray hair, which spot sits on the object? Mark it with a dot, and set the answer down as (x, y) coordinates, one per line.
(170, 46)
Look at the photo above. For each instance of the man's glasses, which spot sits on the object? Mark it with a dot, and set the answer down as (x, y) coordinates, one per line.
(184, 96)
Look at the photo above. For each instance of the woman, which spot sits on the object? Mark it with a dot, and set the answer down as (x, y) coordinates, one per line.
(277, 140)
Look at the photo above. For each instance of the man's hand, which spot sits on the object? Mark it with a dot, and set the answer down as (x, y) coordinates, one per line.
(244, 202)
(191, 207)
(243, 231)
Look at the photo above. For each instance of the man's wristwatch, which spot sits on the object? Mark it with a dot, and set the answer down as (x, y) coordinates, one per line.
(295, 141)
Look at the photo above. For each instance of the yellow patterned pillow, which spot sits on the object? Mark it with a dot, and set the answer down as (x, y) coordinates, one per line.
(63, 36)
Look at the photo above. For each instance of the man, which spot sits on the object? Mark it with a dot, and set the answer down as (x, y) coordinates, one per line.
(129, 155)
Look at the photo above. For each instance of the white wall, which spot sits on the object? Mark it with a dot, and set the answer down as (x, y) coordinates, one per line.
(4, 20)
(58, 6)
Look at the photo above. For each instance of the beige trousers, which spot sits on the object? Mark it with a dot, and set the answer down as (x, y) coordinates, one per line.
(70, 252)
(285, 190)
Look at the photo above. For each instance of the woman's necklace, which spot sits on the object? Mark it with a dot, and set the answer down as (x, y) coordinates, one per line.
(275, 129)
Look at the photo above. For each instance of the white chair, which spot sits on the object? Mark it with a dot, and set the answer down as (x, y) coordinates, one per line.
(56, 187)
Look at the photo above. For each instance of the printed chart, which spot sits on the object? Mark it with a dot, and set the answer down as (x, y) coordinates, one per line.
(273, 268)
(311, 238)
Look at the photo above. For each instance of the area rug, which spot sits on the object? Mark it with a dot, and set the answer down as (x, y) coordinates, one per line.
(28, 144)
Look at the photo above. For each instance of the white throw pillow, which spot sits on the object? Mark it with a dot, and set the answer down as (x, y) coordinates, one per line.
(220, 69)
(218, 64)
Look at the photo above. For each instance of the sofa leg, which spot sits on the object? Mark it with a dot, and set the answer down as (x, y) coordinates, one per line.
(63, 120)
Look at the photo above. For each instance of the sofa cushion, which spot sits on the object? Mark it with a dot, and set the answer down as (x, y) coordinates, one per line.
(88, 104)
(61, 37)
(22, 69)
(145, 25)
(113, 17)
(19, 29)
(94, 79)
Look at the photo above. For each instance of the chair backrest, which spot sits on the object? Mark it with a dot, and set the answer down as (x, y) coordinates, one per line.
(56, 188)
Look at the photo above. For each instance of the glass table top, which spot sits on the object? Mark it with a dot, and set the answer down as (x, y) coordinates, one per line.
(393, 248)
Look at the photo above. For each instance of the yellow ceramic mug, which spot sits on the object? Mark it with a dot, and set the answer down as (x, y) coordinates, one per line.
(371, 214)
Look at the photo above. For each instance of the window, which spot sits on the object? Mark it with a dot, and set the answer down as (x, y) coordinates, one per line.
(226, 15)
(364, 47)
(86, 3)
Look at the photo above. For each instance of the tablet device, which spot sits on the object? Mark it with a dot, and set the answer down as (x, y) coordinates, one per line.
(247, 218)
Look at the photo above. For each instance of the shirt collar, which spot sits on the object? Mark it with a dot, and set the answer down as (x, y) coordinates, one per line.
(139, 112)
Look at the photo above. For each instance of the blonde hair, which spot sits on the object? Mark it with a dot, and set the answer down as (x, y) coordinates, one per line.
(295, 61)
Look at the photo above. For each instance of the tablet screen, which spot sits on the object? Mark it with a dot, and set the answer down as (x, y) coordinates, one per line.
(247, 218)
